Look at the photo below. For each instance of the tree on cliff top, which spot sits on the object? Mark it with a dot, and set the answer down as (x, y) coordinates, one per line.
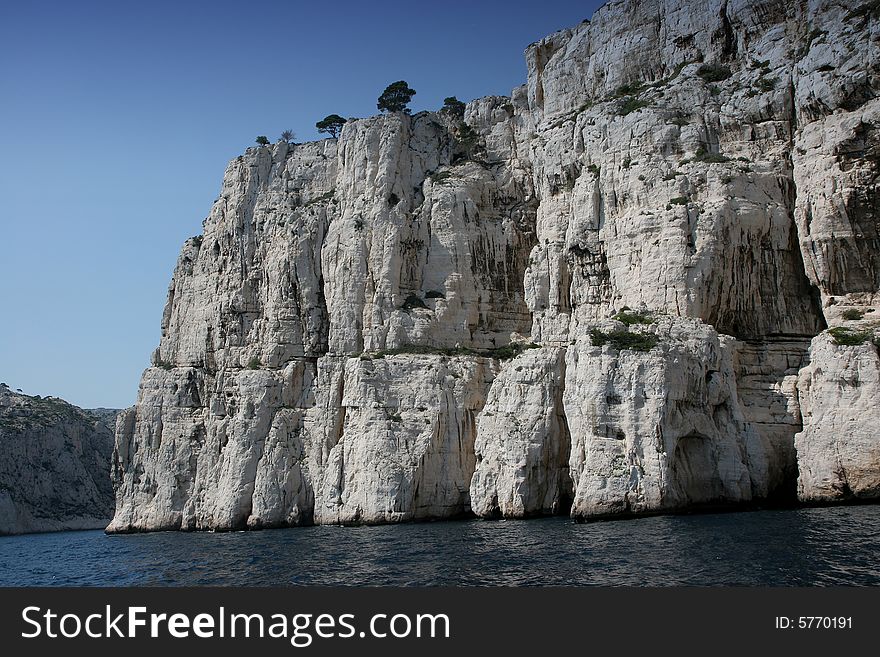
(331, 124)
(288, 136)
(262, 140)
(396, 97)
(453, 107)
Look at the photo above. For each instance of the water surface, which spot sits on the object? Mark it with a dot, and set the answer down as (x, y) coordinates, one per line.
(794, 547)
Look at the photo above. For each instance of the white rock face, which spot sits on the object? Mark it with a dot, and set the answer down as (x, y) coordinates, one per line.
(658, 187)
(839, 448)
(340, 440)
(54, 469)
(406, 449)
(712, 162)
(522, 440)
(660, 429)
(766, 384)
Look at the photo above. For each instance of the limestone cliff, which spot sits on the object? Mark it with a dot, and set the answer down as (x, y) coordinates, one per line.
(55, 465)
(838, 449)
(597, 294)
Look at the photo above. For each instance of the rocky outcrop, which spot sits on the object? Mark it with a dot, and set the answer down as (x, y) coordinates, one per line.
(659, 429)
(423, 318)
(766, 384)
(405, 448)
(55, 465)
(522, 446)
(838, 449)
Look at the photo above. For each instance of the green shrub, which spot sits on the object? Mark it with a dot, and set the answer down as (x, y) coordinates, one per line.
(396, 418)
(253, 363)
(852, 314)
(594, 169)
(262, 140)
(509, 351)
(679, 200)
(630, 105)
(630, 317)
(419, 349)
(502, 353)
(624, 340)
(165, 365)
(714, 72)
(358, 224)
(467, 137)
(630, 89)
(453, 107)
(847, 337)
(702, 155)
(440, 176)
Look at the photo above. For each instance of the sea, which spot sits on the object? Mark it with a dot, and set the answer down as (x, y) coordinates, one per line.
(828, 546)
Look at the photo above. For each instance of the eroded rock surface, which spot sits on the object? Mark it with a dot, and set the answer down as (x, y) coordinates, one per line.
(55, 465)
(660, 429)
(351, 338)
(523, 443)
(839, 449)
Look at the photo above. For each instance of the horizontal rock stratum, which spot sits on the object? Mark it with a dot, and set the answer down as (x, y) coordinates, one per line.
(614, 300)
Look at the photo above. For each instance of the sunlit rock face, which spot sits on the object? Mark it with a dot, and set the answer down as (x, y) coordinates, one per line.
(421, 318)
(838, 449)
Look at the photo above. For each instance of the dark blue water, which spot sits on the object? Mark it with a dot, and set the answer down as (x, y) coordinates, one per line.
(825, 546)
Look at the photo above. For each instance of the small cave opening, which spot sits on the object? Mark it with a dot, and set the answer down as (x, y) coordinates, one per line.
(693, 472)
(783, 486)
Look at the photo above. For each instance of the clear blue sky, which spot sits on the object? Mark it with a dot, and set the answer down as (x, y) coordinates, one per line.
(117, 120)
